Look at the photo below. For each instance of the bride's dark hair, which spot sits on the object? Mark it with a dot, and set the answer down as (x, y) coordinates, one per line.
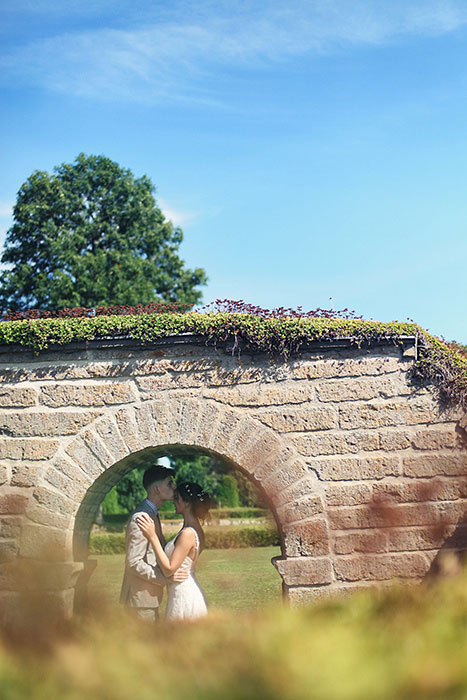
(191, 492)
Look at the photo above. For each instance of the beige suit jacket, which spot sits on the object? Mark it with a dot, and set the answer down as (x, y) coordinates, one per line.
(143, 582)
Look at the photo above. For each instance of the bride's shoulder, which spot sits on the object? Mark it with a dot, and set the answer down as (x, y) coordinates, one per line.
(187, 534)
(195, 536)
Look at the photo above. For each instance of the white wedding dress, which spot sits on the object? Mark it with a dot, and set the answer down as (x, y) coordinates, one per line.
(185, 600)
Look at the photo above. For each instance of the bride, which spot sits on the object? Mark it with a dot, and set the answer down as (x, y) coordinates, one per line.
(185, 599)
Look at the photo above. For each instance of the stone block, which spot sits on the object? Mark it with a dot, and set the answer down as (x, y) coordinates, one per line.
(57, 395)
(211, 420)
(146, 425)
(428, 411)
(46, 543)
(184, 420)
(361, 542)
(431, 489)
(418, 538)
(233, 375)
(355, 468)
(13, 503)
(302, 508)
(222, 433)
(4, 473)
(10, 526)
(243, 439)
(301, 596)
(338, 494)
(152, 386)
(305, 571)
(107, 430)
(436, 439)
(128, 430)
(303, 487)
(392, 439)
(44, 423)
(27, 474)
(435, 465)
(16, 397)
(379, 567)
(299, 419)
(327, 369)
(54, 501)
(261, 395)
(386, 514)
(37, 513)
(35, 610)
(56, 478)
(275, 463)
(330, 443)
(372, 415)
(70, 469)
(28, 448)
(284, 478)
(263, 450)
(308, 538)
(80, 452)
(356, 389)
(98, 448)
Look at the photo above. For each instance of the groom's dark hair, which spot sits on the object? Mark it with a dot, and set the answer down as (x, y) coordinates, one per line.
(156, 473)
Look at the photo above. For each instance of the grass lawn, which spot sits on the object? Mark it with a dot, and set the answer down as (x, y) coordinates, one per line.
(233, 579)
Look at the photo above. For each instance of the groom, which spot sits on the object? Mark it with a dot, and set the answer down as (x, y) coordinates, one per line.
(143, 582)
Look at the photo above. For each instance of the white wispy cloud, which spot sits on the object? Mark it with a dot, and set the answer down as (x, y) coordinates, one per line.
(176, 53)
(175, 215)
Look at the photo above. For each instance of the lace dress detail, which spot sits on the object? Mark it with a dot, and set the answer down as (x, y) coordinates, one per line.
(185, 600)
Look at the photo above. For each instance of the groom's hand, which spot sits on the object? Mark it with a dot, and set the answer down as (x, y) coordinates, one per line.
(179, 576)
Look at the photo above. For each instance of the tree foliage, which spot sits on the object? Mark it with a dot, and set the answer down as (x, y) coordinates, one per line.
(227, 492)
(90, 234)
(226, 487)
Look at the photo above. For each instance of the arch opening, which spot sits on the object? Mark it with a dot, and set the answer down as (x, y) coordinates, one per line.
(255, 530)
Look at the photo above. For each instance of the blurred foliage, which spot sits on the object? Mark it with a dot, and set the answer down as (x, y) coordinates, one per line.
(392, 644)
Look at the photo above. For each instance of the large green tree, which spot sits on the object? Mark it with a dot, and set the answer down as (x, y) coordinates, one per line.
(91, 234)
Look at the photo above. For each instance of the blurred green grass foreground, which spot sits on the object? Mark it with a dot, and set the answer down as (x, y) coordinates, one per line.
(404, 643)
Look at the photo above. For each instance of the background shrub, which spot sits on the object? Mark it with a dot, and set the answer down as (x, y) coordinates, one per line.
(216, 538)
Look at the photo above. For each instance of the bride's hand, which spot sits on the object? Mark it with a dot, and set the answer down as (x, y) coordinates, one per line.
(146, 524)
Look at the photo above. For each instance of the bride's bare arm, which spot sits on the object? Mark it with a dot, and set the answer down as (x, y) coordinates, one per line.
(183, 545)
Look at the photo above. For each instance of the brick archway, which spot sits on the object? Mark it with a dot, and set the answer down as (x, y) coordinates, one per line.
(111, 446)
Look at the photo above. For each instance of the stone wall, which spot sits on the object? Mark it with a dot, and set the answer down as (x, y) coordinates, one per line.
(366, 476)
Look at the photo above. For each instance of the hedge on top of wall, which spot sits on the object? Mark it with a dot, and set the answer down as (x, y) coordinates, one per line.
(281, 332)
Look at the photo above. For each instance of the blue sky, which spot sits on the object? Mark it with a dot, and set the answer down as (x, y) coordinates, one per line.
(308, 149)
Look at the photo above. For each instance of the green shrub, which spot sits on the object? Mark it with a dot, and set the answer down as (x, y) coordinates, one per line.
(237, 537)
(107, 543)
(216, 538)
(240, 513)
